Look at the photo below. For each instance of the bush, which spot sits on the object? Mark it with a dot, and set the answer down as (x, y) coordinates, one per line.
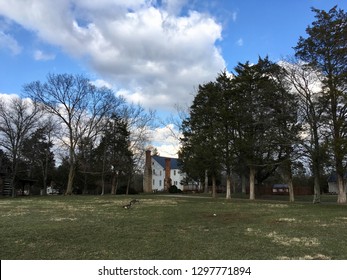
(174, 189)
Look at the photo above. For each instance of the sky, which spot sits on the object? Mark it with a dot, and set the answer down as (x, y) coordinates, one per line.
(152, 52)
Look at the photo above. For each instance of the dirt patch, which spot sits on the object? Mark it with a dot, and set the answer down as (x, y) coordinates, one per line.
(283, 239)
(307, 257)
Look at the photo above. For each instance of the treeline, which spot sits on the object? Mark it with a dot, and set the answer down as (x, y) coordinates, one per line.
(66, 126)
(269, 117)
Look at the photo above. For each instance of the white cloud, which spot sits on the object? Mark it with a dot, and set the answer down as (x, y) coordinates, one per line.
(174, 6)
(165, 140)
(151, 52)
(239, 42)
(101, 83)
(8, 42)
(7, 96)
(40, 55)
(234, 16)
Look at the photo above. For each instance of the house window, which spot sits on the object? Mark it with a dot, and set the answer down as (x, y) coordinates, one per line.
(160, 172)
(174, 172)
(153, 171)
(159, 183)
(153, 182)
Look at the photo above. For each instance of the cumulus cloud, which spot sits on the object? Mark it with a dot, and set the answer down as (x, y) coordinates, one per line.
(101, 83)
(149, 50)
(165, 140)
(8, 96)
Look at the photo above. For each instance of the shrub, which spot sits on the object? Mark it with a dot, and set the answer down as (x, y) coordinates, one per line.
(174, 189)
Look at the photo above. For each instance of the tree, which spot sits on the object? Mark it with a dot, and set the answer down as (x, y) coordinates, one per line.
(80, 106)
(138, 122)
(266, 118)
(200, 150)
(37, 152)
(306, 83)
(18, 119)
(325, 51)
(116, 156)
(85, 160)
(248, 119)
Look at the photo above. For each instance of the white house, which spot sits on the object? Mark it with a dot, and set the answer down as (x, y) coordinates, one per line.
(160, 173)
(162, 166)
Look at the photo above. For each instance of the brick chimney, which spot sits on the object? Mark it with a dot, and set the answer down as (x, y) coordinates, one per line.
(147, 175)
(167, 180)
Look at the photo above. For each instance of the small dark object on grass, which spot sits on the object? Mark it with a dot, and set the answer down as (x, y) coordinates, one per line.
(134, 201)
(131, 203)
(127, 206)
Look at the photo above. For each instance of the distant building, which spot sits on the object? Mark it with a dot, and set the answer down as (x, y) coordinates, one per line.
(160, 173)
(280, 189)
(332, 183)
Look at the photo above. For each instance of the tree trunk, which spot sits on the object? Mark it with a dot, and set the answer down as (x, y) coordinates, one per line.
(316, 189)
(206, 181)
(213, 186)
(103, 173)
(228, 191)
(341, 198)
(316, 162)
(286, 173)
(291, 189)
(102, 184)
(252, 171)
(243, 183)
(71, 177)
(128, 185)
(85, 180)
(14, 173)
(114, 184)
(45, 175)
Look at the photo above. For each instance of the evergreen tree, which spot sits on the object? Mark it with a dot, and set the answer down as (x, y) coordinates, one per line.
(325, 50)
(115, 156)
(38, 156)
(266, 118)
(249, 119)
(200, 151)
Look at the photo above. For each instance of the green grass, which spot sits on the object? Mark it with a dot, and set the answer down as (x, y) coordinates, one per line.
(163, 227)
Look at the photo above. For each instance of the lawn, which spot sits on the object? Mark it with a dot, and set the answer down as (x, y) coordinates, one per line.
(164, 227)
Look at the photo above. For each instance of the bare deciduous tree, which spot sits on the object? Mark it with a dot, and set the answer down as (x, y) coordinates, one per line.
(18, 118)
(79, 105)
(307, 85)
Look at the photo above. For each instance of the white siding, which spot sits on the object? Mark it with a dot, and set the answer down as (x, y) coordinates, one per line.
(158, 176)
(333, 188)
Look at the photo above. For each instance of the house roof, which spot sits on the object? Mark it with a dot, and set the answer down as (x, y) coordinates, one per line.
(280, 186)
(175, 162)
(333, 177)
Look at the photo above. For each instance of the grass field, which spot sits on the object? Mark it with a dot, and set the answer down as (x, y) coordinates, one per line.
(163, 227)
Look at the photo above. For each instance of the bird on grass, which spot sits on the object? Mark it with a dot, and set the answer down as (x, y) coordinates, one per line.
(128, 206)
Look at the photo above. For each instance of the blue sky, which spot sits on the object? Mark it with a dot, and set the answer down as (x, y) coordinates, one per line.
(215, 35)
(150, 51)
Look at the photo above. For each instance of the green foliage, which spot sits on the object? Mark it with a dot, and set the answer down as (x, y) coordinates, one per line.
(247, 119)
(325, 51)
(38, 157)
